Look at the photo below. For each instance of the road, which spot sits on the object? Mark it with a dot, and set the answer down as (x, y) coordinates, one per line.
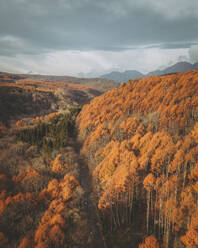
(93, 220)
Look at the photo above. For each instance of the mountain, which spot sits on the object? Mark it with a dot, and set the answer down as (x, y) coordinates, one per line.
(123, 76)
(178, 67)
(127, 75)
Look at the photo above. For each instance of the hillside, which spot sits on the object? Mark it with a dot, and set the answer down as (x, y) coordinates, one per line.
(141, 142)
(22, 97)
(122, 172)
(45, 188)
(42, 199)
(132, 74)
(17, 103)
(100, 84)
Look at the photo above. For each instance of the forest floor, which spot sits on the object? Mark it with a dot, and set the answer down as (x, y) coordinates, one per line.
(97, 237)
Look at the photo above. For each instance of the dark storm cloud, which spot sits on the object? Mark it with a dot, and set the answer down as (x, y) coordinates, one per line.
(96, 36)
(177, 45)
(92, 25)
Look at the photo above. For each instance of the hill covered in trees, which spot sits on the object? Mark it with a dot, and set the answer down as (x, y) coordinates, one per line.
(23, 97)
(141, 142)
(51, 81)
(121, 172)
(43, 198)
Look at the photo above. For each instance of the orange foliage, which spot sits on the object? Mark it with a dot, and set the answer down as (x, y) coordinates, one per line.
(57, 165)
(51, 223)
(195, 133)
(3, 130)
(149, 181)
(19, 123)
(25, 243)
(24, 175)
(68, 185)
(151, 145)
(129, 126)
(157, 93)
(117, 172)
(3, 240)
(194, 173)
(18, 198)
(150, 242)
(191, 237)
(3, 181)
(45, 117)
(52, 227)
(57, 235)
(2, 205)
(100, 131)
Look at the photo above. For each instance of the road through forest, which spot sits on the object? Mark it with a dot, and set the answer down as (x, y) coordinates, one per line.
(86, 183)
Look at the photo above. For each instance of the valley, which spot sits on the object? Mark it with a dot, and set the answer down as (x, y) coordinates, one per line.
(85, 167)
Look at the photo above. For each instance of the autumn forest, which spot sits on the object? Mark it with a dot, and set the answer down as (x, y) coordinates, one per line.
(85, 167)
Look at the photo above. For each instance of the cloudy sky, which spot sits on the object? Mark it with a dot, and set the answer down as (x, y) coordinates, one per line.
(92, 37)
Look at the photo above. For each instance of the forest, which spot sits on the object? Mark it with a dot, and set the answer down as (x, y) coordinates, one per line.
(141, 142)
(120, 172)
(41, 199)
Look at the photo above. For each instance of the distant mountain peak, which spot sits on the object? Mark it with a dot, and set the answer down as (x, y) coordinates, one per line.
(123, 76)
(181, 66)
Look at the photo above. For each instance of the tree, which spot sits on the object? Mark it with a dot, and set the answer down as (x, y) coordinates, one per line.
(25, 243)
(150, 242)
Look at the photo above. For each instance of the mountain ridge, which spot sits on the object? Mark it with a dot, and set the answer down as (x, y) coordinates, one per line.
(132, 74)
(100, 84)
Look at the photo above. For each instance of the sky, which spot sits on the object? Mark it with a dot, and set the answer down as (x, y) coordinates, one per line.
(94, 37)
